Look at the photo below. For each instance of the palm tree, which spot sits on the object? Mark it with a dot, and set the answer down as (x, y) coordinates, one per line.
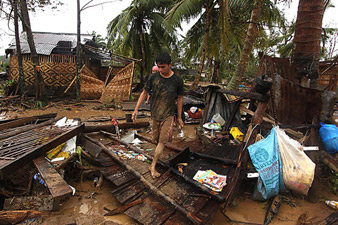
(308, 30)
(140, 32)
(248, 45)
(263, 11)
(187, 9)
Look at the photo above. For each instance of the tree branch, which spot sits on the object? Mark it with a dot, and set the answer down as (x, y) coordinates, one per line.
(86, 5)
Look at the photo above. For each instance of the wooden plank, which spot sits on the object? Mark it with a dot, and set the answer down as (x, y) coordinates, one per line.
(195, 204)
(17, 216)
(56, 184)
(39, 203)
(209, 210)
(177, 219)
(251, 95)
(129, 192)
(151, 211)
(16, 123)
(123, 208)
(92, 148)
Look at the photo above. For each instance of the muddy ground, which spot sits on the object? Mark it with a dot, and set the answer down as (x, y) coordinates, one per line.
(86, 206)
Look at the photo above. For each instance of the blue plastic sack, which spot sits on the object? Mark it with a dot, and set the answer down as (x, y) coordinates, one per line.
(329, 136)
(267, 161)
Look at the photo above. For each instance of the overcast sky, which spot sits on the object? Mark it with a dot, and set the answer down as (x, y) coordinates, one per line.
(97, 19)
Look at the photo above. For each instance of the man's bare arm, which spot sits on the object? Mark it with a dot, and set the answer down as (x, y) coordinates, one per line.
(139, 102)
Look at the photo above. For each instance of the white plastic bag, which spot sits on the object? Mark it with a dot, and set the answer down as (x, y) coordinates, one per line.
(298, 169)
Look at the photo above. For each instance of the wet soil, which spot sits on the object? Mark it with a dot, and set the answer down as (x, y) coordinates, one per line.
(86, 206)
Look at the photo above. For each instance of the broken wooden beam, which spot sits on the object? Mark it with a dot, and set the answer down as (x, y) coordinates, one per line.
(330, 161)
(65, 162)
(111, 127)
(251, 95)
(17, 216)
(16, 123)
(57, 186)
(123, 208)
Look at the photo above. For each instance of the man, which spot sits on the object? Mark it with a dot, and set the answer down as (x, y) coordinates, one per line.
(167, 89)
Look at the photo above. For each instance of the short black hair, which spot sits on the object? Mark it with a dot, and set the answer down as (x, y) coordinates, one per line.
(163, 58)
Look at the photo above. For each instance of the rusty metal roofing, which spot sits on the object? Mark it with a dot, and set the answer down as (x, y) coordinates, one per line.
(45, 42)
(290, 104)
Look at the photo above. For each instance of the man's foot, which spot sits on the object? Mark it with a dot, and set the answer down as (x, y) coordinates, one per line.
(153, 172)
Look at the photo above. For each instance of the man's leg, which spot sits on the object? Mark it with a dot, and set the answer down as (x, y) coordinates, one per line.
(165, 134)
(158, 152)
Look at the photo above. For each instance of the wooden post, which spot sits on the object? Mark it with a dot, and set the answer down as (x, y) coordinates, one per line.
(314, 156)
(251, 133)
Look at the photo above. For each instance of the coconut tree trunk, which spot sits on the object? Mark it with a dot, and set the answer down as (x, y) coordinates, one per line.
(39, 92)
(215, 75)
(306, 53)
(210, 63)
(143, 51)
(204, 48)
(251, 36)
(18, 47)
(78, 54)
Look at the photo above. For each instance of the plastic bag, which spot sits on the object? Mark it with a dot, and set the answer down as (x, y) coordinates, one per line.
(267, 161)
(298, 169)
(329, 136)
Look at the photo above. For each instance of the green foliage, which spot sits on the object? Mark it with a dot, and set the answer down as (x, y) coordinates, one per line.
(143, 18)
(39, 104)
(4, 63)
(10, 83)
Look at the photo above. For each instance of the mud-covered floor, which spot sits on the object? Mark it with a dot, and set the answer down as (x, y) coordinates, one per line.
(86, 206)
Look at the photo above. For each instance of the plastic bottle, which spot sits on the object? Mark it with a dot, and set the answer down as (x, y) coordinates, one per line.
(38, 178)
(332, 204)
(219, 119)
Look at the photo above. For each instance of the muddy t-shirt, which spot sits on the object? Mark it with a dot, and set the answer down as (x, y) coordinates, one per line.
(164, 92)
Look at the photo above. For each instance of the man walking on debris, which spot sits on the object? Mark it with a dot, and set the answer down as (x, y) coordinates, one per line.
(167, 89)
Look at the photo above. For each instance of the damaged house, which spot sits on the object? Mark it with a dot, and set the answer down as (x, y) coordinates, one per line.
(57, 57)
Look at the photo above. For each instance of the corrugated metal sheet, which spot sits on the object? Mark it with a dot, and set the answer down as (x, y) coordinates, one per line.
(45, 42)
(292, 104)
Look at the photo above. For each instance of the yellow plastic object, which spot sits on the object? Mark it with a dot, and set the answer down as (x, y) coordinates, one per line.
(63, 154)
(236, 133)
(55, 151)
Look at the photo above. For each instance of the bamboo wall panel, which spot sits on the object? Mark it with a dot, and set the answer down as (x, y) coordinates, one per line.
(91, 88)
(86, 71)
(119, 88)
(56, 70)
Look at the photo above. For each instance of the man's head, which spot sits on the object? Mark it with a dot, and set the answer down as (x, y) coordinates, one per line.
(155, 69)
(163, 62)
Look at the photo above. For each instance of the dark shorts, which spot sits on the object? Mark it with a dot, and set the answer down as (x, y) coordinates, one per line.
(163, 130)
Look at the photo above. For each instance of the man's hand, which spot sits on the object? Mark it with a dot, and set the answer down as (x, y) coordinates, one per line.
(180, 123)
(134, 115)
